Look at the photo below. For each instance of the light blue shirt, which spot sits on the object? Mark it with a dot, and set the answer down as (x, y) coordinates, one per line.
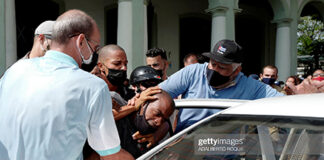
(49, 107)
(192, 82)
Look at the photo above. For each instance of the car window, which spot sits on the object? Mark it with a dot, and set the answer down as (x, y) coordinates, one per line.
(249, 137)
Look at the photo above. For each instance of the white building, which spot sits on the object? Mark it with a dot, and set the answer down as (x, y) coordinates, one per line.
(265, 28)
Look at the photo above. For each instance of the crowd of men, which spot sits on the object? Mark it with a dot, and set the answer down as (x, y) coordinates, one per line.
(50, 108)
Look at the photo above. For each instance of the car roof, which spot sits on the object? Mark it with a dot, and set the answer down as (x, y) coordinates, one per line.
(208, 103)
(306, 105)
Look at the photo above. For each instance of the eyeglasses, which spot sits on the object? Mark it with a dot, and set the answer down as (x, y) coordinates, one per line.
(318, 75)
(94, 42)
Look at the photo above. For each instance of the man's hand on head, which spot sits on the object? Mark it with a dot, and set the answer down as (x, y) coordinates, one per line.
(147, 95)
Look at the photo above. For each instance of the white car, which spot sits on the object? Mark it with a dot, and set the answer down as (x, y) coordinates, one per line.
(289, 127)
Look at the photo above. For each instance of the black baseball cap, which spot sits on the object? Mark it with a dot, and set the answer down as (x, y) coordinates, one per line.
(226, 51)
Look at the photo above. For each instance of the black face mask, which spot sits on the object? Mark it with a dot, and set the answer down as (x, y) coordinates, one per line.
(215, 79)
(116, 77)
(160, 72)
(269, 81)
(141, 124)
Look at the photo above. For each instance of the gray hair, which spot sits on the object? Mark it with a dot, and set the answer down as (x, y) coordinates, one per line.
(235, 65)
(72, 23)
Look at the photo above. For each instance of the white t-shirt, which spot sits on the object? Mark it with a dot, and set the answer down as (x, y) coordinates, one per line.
(49, 107)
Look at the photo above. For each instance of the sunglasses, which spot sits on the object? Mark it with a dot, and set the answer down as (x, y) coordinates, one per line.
(318, 75)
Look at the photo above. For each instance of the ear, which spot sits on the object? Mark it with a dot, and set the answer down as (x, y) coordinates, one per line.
(260, 75)
(80, 39)
(166, 63)
(237, 71)
(41, 37)
(101, 68)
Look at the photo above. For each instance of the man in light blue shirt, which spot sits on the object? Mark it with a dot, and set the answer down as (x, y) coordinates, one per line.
(49, 106)
(220, 78)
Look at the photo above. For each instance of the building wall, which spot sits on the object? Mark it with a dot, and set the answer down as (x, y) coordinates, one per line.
(168, 16)
(95, 8)
(168, 13)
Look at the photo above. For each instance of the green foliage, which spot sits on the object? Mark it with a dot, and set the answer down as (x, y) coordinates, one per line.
(310, 33)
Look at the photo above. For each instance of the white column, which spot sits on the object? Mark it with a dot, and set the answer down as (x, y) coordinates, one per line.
(11, 38)
(2, 38)
(218, 25)
(283, 48)
(124, 30)
(132, 31)
(139, 33)
(223, 19)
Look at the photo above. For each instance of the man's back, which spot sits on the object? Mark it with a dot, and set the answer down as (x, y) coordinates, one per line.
(44, 104)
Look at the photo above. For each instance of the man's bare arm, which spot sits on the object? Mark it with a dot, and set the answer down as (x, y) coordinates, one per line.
(121, 155)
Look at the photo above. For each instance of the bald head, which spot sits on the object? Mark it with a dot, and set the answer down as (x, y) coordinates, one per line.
(160, 109)
(106, 51)
(166, 98)
(72, 23)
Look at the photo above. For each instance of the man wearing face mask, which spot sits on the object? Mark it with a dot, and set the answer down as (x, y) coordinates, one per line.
(42, 40)
(157, 59)
(112, 62)
(220, 78)
(269, 75)
(71, 105)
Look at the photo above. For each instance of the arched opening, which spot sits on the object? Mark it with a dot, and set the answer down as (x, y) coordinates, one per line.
(29, 14)
(256, 34)
(194, 35)
(308, 62)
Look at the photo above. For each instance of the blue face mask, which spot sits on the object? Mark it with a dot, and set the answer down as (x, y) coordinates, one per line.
(269, 81)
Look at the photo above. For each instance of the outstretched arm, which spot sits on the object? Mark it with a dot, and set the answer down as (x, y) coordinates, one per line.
(135, 103)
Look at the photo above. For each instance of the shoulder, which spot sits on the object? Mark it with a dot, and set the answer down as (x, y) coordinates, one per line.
(92, 80)
(196, 66)
(192, 69)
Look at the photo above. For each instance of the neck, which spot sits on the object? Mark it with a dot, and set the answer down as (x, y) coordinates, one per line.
(164, 77)
(68, 49)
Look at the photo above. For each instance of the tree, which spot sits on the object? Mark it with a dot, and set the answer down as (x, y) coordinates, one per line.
(310, 33)
(311, 39)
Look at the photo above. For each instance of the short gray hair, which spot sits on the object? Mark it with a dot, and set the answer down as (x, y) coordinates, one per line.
(72, 23)
(235, 65)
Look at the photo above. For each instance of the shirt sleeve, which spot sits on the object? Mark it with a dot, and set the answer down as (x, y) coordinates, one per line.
(178, 83)
(102, 132)
(265, 91)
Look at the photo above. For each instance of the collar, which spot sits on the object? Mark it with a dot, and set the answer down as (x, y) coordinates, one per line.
(233, 83)
(60, 56)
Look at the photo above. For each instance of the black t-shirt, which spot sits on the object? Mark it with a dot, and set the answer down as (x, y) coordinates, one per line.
(126, 129)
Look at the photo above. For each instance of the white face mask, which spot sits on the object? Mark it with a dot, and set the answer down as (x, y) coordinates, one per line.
(85, 61)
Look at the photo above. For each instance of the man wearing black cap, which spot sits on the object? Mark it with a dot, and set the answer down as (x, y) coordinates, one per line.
(220, 78)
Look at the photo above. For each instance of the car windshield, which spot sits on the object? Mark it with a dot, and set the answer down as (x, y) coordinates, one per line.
(249, 137)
